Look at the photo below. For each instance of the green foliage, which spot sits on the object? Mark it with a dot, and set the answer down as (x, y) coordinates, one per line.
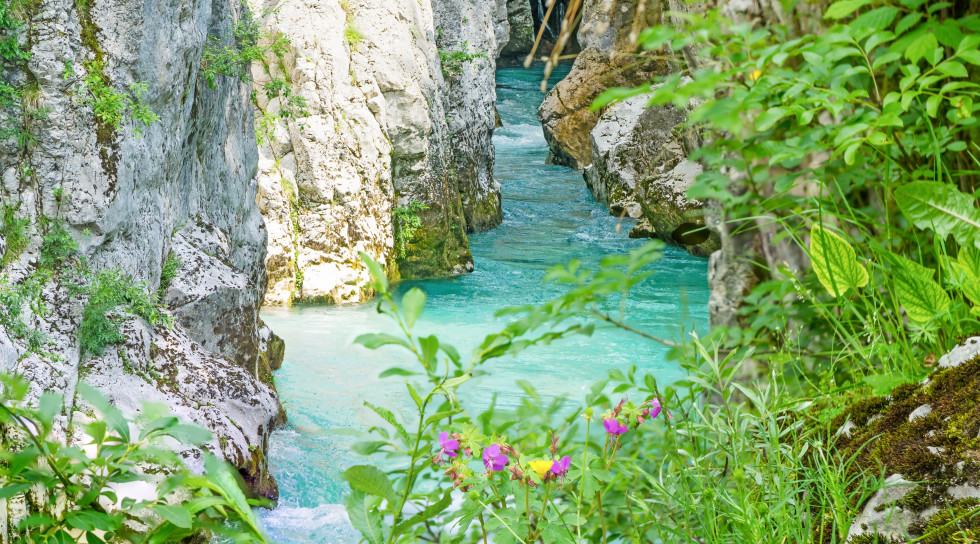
(718, 471)
(114, 108)
(407, 224)
(14, 232)
(15, 111)
(452, 60)
(108, 291)
(86, 476)
(870, 127)
(250, 44)
(167, 274)
(352, 35)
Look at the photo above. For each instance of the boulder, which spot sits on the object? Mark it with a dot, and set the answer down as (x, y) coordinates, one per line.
(521, 23)
(640, 169)
(609, 58)
(924, 436)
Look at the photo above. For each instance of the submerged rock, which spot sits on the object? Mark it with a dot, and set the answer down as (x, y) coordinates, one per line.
(925, 437)
(640, 169)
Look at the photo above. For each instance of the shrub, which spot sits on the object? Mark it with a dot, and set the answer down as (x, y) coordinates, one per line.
(75, 488)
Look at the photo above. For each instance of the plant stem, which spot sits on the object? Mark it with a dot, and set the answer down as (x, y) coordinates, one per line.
(578, 499)
(602, 516)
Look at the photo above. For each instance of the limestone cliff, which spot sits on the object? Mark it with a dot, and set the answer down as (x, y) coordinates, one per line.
(608, 59)
(98, 211)
(640, 169)
(392, 156)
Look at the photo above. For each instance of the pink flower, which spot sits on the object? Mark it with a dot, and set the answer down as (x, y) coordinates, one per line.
(655, 409)
(493, 459)
(560, 468)
(614, 427)
(447, 447)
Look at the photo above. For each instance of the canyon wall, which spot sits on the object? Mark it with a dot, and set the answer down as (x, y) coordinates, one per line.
(92, 209)
(634, 157)
(392, 156)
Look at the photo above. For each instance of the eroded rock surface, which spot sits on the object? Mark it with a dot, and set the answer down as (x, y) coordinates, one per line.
(640, 169)
(185, 187)
(607, 60)
(521, 30)
(393, 157)
(925, 437)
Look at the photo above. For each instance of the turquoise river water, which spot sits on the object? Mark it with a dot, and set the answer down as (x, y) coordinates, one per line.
(549, 218)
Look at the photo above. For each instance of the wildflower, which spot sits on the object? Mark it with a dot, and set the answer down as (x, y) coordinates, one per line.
(755, 75)
(493, 459)
(560, 467)
(613, 426)
(447, 447)
(655, 409)
(541, 467)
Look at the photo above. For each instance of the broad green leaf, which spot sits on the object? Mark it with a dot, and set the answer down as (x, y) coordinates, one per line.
(110, 414)
(188, 434)
(843, 8)
(379, 280)
(371, 480)
(49, 407)
(376, 340)
(835, 262)
(386, 415)
(89, 520)
(922, 298)
(366, 520)
(396, 371)
(615, 94)
(412, 304)
(176, 514)
(952, 68)
(435, 508)
(220, 473)
(941, 208)
(770, 117)
(920, 47)
(10, 490)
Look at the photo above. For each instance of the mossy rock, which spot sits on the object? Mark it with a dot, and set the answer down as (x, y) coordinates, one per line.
(935, 450)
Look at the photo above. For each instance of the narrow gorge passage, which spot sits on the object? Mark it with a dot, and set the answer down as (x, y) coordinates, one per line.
(549, 218)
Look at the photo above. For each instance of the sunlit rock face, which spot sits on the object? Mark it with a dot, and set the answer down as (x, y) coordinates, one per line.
(640, 169)
(393, 157)
(607, 60)
(186, 187)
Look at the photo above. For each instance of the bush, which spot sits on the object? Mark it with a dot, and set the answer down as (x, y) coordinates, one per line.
(74, 487)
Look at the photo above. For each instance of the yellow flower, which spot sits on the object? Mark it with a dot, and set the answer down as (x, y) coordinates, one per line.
(541, 467)
(755, 74)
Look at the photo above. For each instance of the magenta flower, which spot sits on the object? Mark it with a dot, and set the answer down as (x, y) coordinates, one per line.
(614, 427)
(655, 409)
(493, 459)
(447, 446)
(560, 467)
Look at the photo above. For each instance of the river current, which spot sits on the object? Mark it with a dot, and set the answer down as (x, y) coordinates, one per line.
(549, 218)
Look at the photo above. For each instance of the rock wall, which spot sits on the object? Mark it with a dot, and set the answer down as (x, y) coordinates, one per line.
(640, 169)
(394, 155)
(185, 187)
(607, 60)
(521, 30)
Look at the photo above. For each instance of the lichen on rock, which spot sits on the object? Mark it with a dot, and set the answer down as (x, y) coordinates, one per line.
(932, 456)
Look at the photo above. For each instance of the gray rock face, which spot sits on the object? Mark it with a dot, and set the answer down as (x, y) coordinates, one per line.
(930, 455)
(521, 24)
(608, 59)
(640, 169)
(186, 185)
(394, 158)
